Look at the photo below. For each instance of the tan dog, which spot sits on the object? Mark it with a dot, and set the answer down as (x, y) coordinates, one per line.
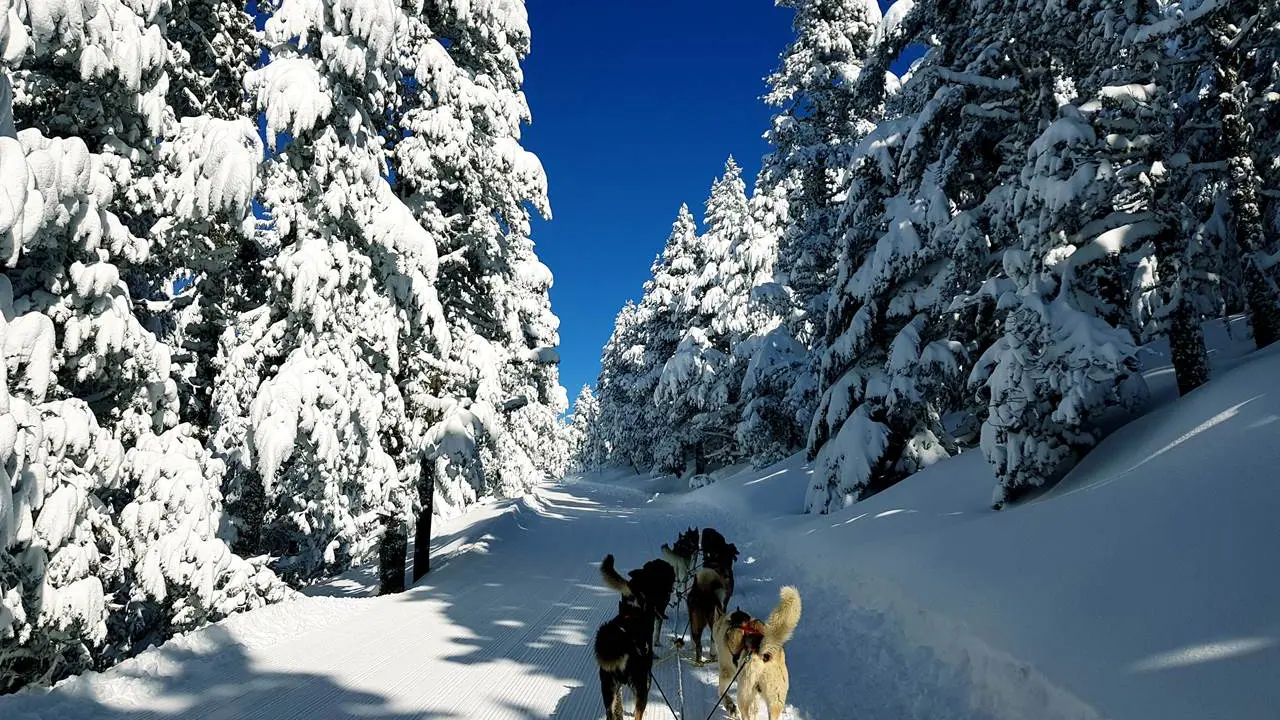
(753, 650)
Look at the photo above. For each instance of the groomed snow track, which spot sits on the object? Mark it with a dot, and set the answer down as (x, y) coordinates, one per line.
(500, 629)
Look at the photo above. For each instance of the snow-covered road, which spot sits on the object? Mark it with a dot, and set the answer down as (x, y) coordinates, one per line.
(500, 629)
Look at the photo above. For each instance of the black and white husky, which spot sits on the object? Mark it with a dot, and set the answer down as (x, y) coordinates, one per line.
(623, 646)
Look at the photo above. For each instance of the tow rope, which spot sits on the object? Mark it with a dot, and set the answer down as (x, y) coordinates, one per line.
(727, 688)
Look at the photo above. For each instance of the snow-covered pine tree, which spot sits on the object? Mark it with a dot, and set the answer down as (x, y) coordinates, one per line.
(663, 314)
(631, 424)
(1235, 43)
(95, 71)
(59, 550)
(698, 389)
(812, 136)
(534, 373)
(1263, 91)
(101, 366)
(1065, 371)
(588, 450)
(621, 426)
(94, 559)
(1145, 97)
(199, 195)
(803, 179)
(915, 231)
(933, 204)
(767, 359)
(308, 399)
(491, 406)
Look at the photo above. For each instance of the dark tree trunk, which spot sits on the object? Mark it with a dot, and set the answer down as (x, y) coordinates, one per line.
(1186, 344)
(422, 528)
(391, 555)
(1186, 336)
(251, 507)
(1243, 181)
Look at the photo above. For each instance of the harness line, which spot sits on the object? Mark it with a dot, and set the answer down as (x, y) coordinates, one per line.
(664, 696)
(681, 594)
(727, 688)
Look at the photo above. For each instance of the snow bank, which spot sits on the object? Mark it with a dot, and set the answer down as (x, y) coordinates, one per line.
(1140, 587)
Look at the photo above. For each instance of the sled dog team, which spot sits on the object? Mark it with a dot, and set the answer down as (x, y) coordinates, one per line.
(746, 648)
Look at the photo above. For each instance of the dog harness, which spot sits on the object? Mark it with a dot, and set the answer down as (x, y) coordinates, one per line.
(747, 631)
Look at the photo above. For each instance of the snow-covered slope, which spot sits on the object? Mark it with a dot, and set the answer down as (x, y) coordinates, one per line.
(1141, 588)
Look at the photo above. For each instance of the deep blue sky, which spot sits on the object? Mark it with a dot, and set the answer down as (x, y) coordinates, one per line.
(636, 104)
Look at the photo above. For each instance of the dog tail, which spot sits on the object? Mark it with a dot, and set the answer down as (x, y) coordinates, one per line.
(612, 578)
(784, 618)
(611, 642)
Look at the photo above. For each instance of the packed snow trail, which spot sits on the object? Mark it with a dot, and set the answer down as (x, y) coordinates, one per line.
(501, 628)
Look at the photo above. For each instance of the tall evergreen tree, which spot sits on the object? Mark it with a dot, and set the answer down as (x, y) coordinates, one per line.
(589, 453)
(621, 429)
(805, 176)
(109, 514)
(1232, 34)
(700, 383)
(199, 197)
(307, 399)
(490, 407)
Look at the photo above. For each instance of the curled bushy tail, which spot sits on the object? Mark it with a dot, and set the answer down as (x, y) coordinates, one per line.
(612, 578)
(784, 618)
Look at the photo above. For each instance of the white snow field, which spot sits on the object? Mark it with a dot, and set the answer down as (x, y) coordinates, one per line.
(1142, 587)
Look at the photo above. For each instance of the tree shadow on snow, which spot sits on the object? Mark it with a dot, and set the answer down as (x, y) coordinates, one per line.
(216, 682)
(537, 603)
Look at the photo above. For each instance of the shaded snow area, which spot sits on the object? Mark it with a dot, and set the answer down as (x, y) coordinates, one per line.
(1143, 586)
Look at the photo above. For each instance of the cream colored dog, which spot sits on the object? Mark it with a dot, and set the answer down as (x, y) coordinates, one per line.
(756, 647)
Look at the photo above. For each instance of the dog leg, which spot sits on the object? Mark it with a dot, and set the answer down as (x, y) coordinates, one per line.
(726, 677)
(776, 697)
(642, 696)
(748, 700)
(611, 693)
(657, 632)
(695, 632)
